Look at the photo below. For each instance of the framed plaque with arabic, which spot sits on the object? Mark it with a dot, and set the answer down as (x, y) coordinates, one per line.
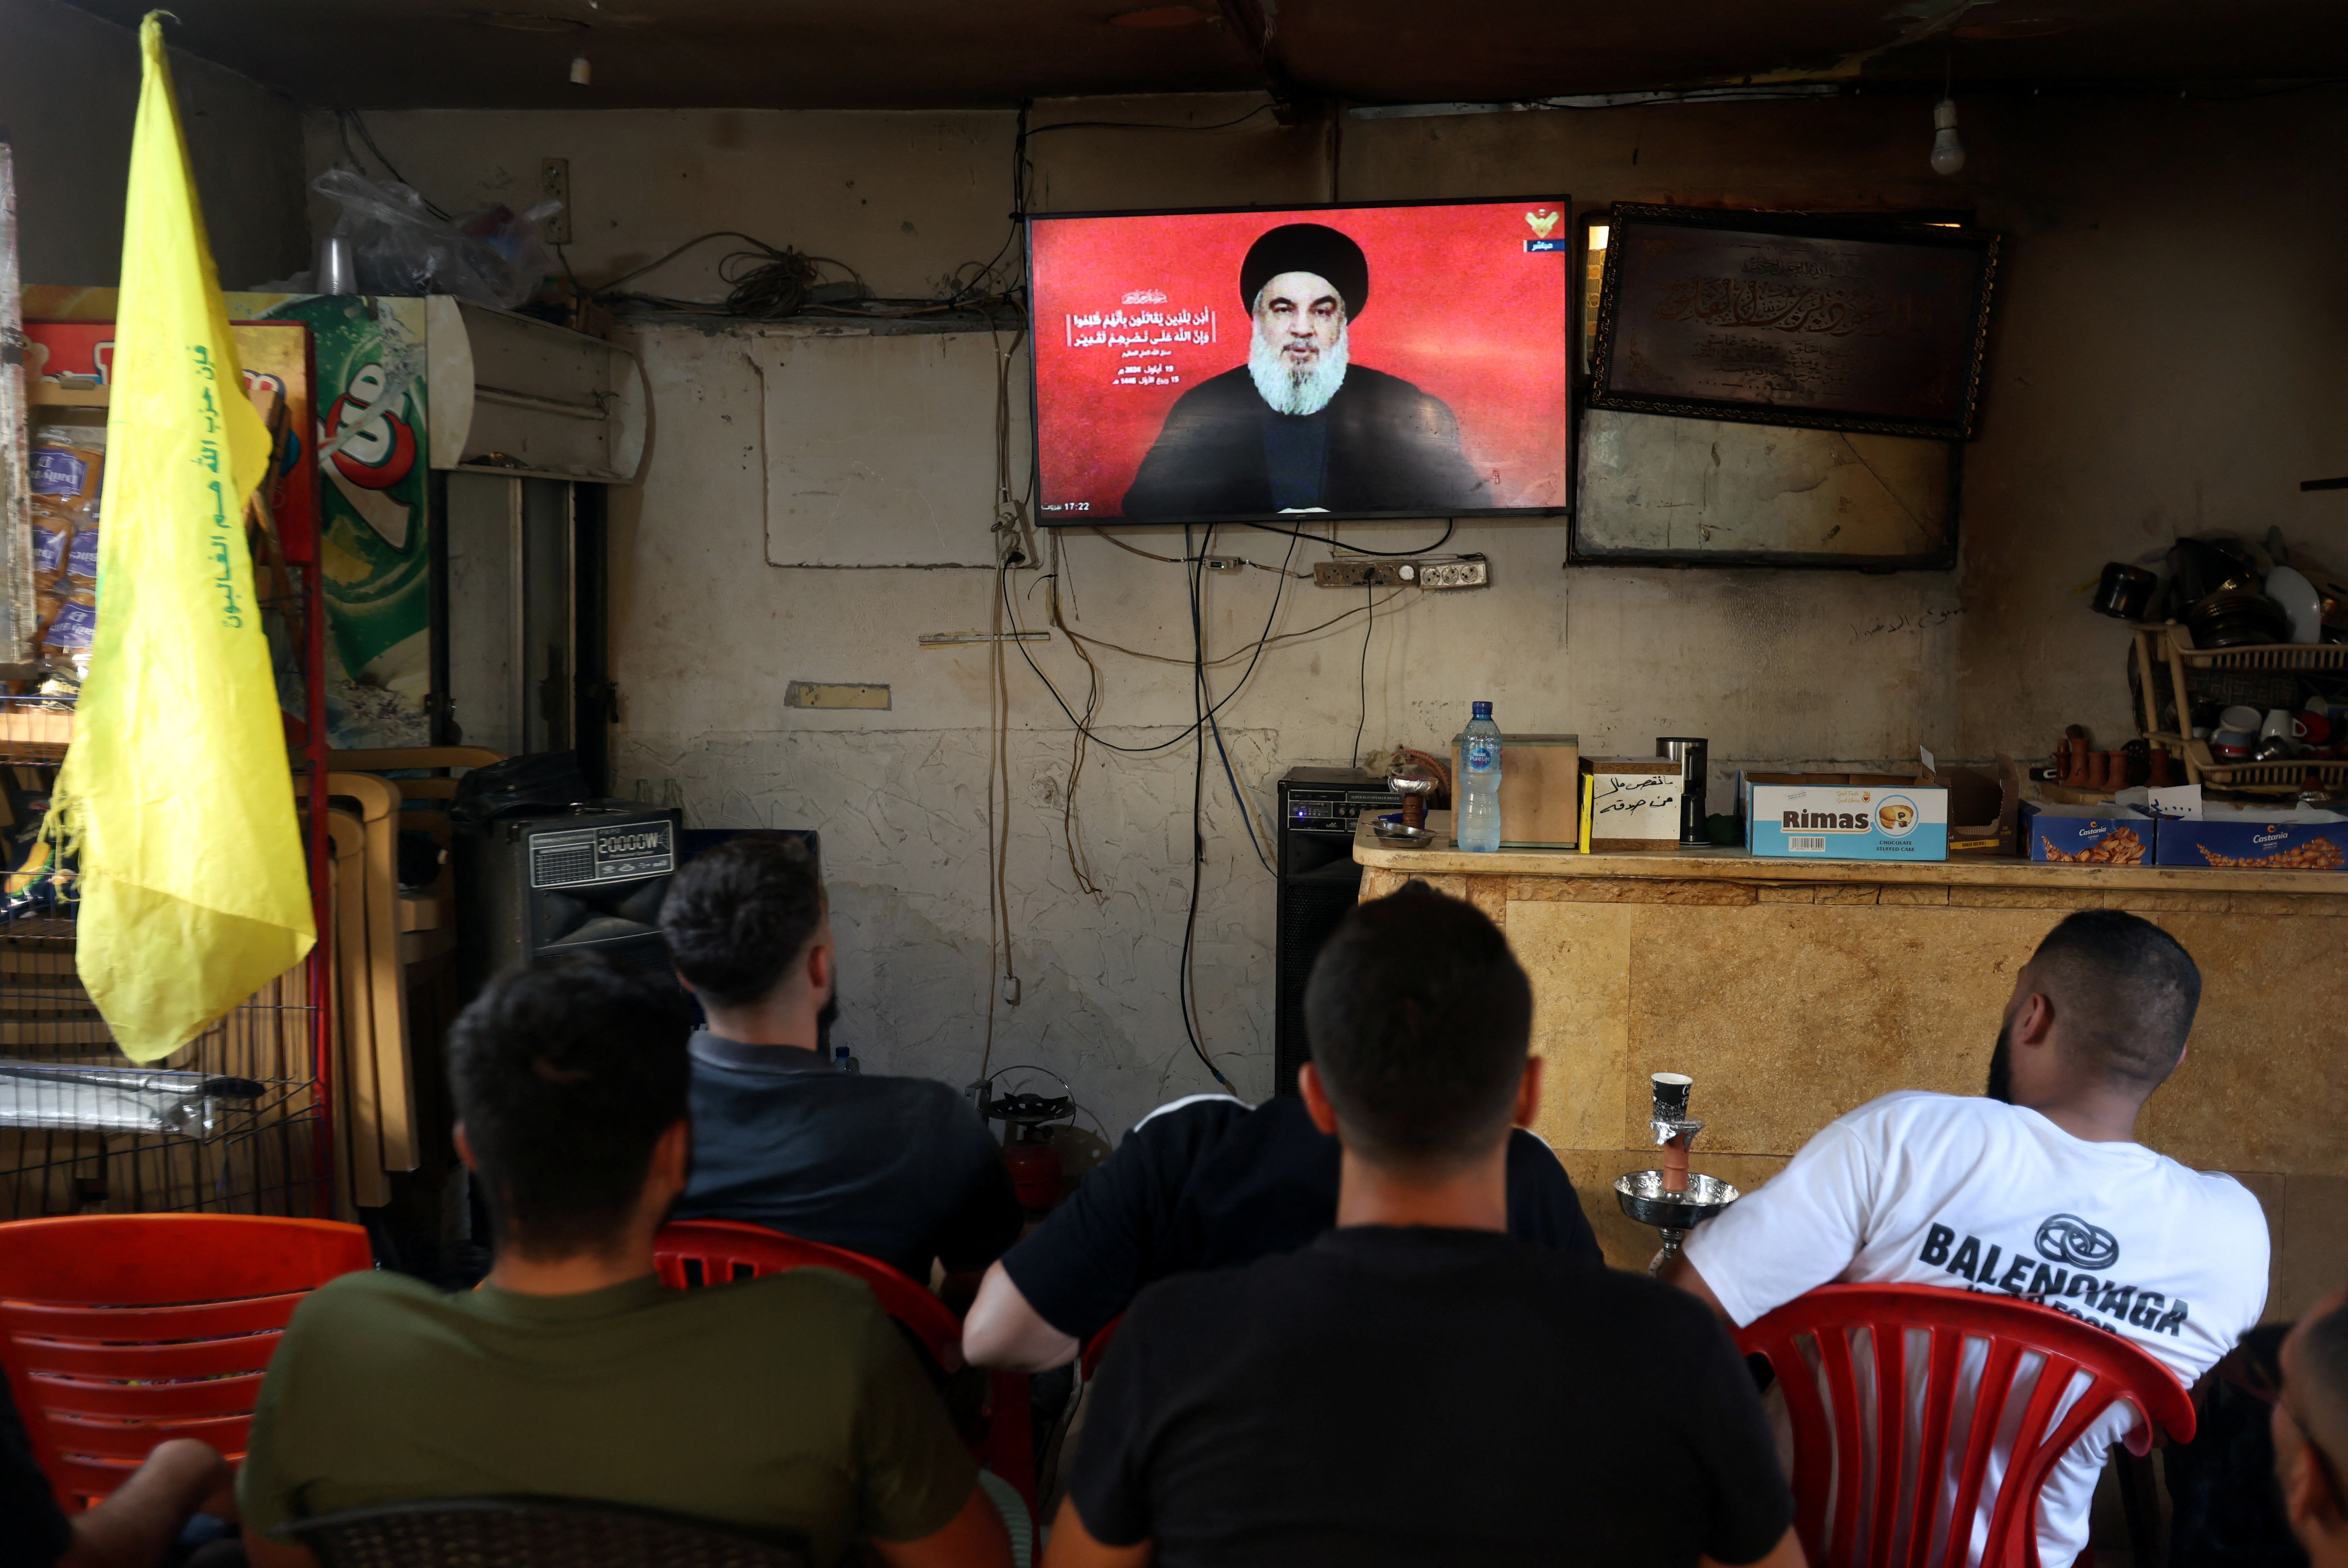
(1786, 318)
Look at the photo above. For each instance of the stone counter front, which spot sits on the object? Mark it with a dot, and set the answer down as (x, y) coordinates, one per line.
(1795, 991)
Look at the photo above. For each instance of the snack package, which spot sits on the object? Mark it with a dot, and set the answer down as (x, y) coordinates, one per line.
(67, 634)
(69, 470)
(51, 537)
(69, 487)
(81, 557)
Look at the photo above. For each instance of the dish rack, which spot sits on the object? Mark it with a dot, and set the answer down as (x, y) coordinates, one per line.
(2169, 651)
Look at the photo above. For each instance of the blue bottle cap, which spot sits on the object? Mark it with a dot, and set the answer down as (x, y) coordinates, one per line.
(1483, 710)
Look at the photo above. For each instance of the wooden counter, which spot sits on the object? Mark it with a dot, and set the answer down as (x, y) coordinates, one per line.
(1792, 991)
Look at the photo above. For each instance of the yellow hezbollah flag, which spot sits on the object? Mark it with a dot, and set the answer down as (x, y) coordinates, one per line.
(177, 793)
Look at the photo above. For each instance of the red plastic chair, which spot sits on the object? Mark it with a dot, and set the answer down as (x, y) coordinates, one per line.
(1097, 1347)
(1831, 1461)
(120, 1331)
(689, 1253)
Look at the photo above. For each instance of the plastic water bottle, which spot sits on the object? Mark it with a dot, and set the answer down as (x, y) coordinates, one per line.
(1477, 825)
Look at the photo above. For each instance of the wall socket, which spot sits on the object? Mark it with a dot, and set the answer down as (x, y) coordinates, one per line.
(1420, 571)
(554, 185)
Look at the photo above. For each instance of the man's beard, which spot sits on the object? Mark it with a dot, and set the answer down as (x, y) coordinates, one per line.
(2001, 1067)
(1292, 389)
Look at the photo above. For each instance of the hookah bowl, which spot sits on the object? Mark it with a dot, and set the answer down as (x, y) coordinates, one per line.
(1671, 1199)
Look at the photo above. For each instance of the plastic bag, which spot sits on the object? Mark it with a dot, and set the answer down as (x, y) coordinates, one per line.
(492, 257)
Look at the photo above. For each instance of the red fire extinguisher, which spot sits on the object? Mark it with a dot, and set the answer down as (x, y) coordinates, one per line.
(1028, 1119)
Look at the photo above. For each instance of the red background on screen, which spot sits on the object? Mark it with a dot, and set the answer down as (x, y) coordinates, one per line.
(1456, 306)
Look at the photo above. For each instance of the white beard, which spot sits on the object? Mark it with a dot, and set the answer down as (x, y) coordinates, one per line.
(1293, 391)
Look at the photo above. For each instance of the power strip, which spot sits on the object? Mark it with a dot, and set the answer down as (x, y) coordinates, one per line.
(1419, 572)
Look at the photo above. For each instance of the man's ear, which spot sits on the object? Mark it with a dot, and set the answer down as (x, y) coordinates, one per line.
(683, 982)
(2035, 1025)
(1528, 1089)
(1316, 1100)
(672, 1162)
(465, 1149)
(2304, 1503)
(819, 966)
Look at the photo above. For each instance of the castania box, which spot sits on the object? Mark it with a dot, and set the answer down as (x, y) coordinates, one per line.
(1847, 821)
(2290, 838)
(2089, 835)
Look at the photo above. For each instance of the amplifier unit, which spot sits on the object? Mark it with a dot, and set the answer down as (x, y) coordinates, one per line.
(589, 880)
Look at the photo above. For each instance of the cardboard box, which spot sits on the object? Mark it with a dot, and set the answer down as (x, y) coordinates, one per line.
(1634, 803)
(1984, 808)
(2282, 840)
(1540, 782)
(2098, 835)
(1844, 817)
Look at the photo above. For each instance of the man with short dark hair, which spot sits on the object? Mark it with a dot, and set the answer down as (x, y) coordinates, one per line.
(2311, 1431)
(2037, 1190)
(1300, 427)
(789, 1405)
(1417, 1386)
(898, 1168)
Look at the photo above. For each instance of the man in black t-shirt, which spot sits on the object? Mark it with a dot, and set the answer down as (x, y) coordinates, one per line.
(1417, 1386)
(1204, 1182)
(898, 1168)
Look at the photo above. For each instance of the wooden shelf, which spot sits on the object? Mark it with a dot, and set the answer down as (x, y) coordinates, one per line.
(34, 736)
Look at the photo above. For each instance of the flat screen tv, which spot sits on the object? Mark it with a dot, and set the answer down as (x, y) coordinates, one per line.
(1405, 360)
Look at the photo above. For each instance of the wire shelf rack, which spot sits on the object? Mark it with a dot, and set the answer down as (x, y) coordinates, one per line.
(231, 1124)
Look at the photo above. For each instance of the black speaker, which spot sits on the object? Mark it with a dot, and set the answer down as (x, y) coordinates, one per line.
(1319, 881)
(587, 881)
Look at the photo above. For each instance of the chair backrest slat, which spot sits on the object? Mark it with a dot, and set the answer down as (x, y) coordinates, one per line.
(1808, 1342)
(130, 1442)
(144, 1363)
(1812, 1455)
(1889, 1345)
(1982, 1422)
(2054, 1378)
(1849, 1439)
(1932, 1437)
(196, 1399)
(149, 1324)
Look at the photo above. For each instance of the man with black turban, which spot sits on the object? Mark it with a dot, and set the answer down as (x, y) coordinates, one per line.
(1299, 428)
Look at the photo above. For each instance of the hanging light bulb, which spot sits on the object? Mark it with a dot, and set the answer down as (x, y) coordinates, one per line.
(1948, 152)
(581, 73)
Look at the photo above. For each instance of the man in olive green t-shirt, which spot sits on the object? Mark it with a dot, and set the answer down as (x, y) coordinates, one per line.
(789, 1405)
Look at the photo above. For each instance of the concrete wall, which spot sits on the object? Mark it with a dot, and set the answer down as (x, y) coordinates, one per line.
(2160, 363)
(69, 93)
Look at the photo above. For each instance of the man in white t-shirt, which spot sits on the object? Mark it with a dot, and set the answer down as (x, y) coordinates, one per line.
(2037, 1190)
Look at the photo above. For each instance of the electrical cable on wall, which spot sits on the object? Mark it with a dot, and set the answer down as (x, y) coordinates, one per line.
(346, 117)
(1450, 525)
(1185, 990)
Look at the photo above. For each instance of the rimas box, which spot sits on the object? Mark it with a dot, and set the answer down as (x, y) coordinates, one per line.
(1902, 821)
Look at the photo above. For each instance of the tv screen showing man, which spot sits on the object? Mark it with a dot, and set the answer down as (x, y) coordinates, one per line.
(1156, 401)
